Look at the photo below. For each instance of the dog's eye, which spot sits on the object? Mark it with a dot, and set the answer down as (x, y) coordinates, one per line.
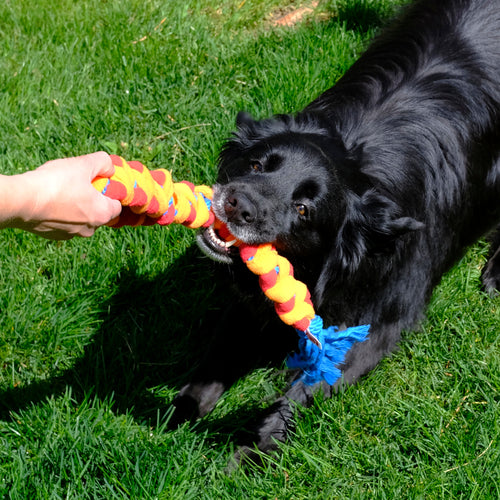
(256, 166)
(301, 209)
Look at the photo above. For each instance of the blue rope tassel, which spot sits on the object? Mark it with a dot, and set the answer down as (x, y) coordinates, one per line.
(320, 362)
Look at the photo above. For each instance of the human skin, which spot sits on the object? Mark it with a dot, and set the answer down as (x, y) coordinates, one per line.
(57, 200)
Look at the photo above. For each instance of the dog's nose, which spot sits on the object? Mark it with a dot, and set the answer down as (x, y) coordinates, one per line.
(240, 209)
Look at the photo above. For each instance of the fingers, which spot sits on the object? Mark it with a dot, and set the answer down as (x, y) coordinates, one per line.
(101, 164)
(109, 210)
(58, 231)
(103, 167)
(115, 208)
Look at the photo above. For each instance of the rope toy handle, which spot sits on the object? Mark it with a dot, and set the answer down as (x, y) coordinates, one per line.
(151, 197)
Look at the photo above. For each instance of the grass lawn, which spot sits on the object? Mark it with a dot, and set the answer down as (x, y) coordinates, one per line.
(97, 335)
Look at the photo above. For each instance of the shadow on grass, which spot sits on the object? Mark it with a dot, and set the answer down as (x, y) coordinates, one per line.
(155, 335)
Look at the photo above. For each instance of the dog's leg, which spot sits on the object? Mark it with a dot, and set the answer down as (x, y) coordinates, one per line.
(278, 422)
(240, 344)
(491, 272)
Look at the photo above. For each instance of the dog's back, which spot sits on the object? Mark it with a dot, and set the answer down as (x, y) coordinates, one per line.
(419, 113)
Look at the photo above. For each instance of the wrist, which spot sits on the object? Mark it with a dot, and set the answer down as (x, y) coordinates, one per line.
(18, 200)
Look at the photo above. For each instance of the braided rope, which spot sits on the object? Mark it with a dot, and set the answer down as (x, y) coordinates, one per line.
(291, 297)
(151, 197)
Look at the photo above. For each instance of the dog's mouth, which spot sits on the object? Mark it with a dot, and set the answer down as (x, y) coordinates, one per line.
(219, 244)
(221, 240)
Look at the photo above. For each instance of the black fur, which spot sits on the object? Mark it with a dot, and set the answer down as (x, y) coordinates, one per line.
(372, 191)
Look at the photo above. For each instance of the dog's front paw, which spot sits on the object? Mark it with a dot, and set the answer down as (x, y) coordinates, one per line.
(275, 427)
(272, 430)
(245, 456)
(195, 400)
(277, 424)
(490, 277)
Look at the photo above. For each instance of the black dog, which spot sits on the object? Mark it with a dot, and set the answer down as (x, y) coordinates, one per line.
(372, 192)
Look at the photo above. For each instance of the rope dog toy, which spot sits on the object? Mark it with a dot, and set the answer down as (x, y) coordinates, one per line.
(151, 197)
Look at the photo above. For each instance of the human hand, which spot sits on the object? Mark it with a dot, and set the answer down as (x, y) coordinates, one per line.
(57, 200)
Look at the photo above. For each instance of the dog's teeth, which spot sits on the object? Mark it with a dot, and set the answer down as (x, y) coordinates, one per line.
(230, 243)
(214, 238)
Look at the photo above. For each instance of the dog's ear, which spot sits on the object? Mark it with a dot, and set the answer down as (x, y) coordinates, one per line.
(244, 119)
(372, 225)
(378, 220)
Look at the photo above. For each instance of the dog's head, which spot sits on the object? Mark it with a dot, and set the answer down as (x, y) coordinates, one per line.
(291, 182)
(276, 184)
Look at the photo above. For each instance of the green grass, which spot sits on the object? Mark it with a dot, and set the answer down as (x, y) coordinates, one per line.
(97, 335)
